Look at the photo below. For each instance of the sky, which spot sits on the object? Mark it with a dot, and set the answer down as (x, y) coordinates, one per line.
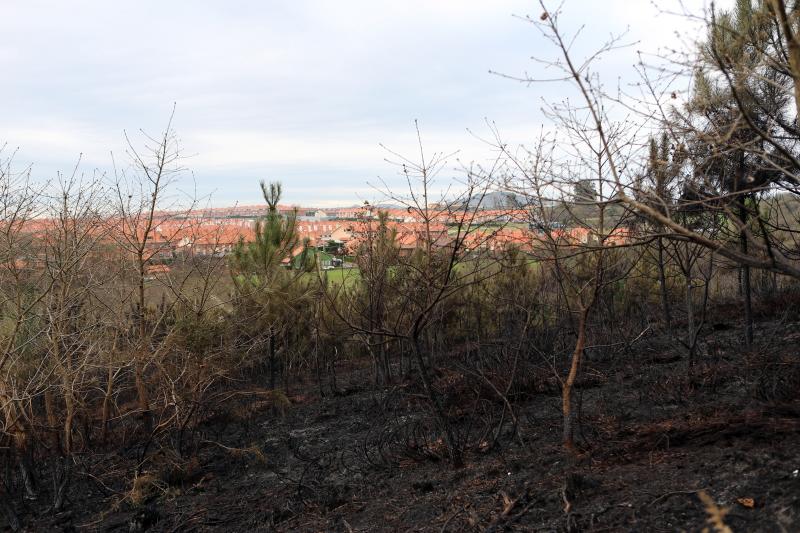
(304, 92)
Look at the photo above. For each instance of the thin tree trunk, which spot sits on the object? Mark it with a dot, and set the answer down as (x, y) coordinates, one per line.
(141, 393)
(138, 365)
(52, 420)
(106, 410)
(690, 330)
(779, 10)
(19, 436)
(60, 484)
(331, 364)
(318, 361)
(272, 361)
(69, 417)
(69, 403)
(27, 477)
(383, 354)
(746, 290)
(377, 367)
(662, 283)
(569, 384)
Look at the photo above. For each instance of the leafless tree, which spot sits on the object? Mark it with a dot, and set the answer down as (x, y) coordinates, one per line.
(144, 201)
(23, 286)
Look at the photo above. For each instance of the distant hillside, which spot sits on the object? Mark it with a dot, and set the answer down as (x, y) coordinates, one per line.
(499, 200)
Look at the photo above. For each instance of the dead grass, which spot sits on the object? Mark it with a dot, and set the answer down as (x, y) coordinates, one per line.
(716, 514)
(145, 486)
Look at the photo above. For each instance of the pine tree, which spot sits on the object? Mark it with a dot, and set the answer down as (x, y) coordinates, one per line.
(269, 272)
(741, 100)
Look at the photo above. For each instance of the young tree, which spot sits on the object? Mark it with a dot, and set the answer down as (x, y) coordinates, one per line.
(377, 256)
(578, 254)
(73, 324)
(269, 274)
(426, 276)
(24, 284)
(146, 225)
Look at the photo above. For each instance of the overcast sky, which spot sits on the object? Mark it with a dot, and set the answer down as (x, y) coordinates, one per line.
(301, 91)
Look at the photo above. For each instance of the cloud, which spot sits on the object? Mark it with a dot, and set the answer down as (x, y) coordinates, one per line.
(305, 89)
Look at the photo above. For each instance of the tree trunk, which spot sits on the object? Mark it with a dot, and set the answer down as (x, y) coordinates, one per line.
(69, 417)
(566, 394)
(52, 420)
(138, 366)
(69, 404)
(662, 284)
(780, 12)
(331, 365)
(60, 483)
(19, 437)
(106, 410)
(690, 328)
(318, 361)
(383, 354)
(141, 393)
(272, 361)
(27, 478)
(748, 307)
(377, 367)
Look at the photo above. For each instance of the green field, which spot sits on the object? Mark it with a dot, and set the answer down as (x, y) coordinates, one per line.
(339, 276)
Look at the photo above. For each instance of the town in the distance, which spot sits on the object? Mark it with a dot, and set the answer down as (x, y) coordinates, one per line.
(335, 234)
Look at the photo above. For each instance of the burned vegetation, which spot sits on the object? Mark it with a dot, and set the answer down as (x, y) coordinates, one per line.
(597, 332)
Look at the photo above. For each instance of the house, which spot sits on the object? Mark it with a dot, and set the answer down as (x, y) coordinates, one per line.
(586, 236)
(152, 272)
(312, 214)
(499, 240)
(618, 237)
(209, 238)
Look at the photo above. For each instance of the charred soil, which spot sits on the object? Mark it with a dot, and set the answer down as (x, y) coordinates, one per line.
(654, 434)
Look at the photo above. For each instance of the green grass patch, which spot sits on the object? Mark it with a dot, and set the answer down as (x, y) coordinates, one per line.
(339, 276)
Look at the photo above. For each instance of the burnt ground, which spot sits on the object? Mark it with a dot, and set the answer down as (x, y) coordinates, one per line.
(366, 460)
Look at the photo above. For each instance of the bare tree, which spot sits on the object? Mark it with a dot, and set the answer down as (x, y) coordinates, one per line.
(144, 203)
(426, 275)
(73, 229)
(24, 284)
(574, 232)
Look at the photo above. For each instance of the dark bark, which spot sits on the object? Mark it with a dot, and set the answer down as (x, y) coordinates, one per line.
(746, 286)
(662, 284)
(691, 334)
(272, 361)
(566, 394)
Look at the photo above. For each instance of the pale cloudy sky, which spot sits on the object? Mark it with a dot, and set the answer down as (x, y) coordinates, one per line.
(301, 91)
